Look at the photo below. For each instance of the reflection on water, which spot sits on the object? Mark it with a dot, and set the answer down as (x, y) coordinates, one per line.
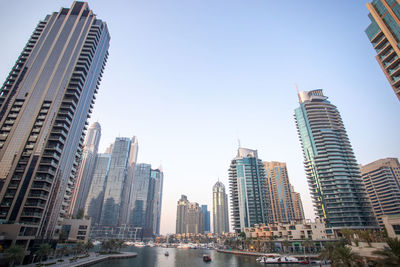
(183, 258)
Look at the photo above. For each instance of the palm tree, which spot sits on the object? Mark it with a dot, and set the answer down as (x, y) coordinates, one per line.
(389, 256)
(14, 254)
(43, 251)
(88, 246)
(367, 236)
(285, 244)
(308, 244)
(348, 234)
(341, 256)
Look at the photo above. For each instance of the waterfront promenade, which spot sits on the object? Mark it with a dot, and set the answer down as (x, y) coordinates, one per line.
(87, 261)
(260, 254)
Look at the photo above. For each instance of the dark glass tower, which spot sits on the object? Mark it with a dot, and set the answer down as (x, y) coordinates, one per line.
(332, 172)
(44, 105)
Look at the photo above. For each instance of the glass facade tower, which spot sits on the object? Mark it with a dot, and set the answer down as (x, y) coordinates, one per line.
(332, 172)
(94, 202)
(206, 216)
(85, 171)
(248, 190)
(220, 209)
(384, 34)
(117, 188)
(44, 105)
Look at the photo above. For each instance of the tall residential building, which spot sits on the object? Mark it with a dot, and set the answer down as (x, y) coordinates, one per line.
(44, 105)
(382, 180)
(181, 215)
(298, 206)
(332, 172)
(195, 220)
(189, 217)
(85, 171)
(279, 191)
(206, 216)
(140, 192)
(220, 209)
(248, 190)
(117, 188)
(158, 177)
(384, 34)
(94, 201)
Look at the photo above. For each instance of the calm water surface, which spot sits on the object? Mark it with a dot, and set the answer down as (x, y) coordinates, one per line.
(183, 258)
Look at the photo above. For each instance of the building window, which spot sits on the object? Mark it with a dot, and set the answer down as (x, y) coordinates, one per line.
(396, 228)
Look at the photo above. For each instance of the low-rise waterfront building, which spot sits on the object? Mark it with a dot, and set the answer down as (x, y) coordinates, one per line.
(392, 225)
(76, 230)
(305, 230)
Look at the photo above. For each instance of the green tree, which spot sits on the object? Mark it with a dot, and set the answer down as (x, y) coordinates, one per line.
(308, 244)
(89, 245)
(285, 244)
(389, 256)
(80, 214)
(341, 256)
(14, 254)
(43, 251)
(367, 236)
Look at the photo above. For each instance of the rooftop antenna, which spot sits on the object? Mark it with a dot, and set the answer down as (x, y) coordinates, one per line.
(239, 143)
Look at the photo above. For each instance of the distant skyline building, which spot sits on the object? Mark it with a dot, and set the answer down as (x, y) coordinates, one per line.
(119, 183)
(382, 181)
(181, 215)
(154, 202)
(279, 192)
(220, 209)
(44, 106)
(298, 206)
(85, 171)
(384, 34)
(94, 201)
(334, 178)
(140, 193)
(189, 217)
(206, 216)
(248, 190)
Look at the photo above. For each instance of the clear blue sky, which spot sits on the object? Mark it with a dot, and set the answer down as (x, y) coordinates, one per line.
(191, 77)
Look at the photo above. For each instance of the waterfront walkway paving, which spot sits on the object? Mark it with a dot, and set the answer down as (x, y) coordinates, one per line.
(92, 259)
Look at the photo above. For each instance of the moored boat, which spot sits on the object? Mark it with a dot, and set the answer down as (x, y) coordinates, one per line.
(277, 260)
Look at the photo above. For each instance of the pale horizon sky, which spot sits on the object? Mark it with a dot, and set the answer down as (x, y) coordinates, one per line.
(190, 78)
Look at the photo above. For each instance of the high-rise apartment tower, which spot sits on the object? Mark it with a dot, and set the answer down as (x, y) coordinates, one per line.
(220, 209)
(44, 105)
(248, 190)
(280, 192)
(332, 172)
(384, 34)
(382, 180)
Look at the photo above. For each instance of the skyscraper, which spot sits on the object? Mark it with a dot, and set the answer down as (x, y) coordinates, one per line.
(117, 189)
(181, 215)
(248, 190)
(220, 209)
(384, 34)
(206, 217)
(382, 180)
(146, 200)
(279, 191)
(140, 193)
(298, 206)
(44, 105)
(189, 217)
(94, 201)
(85, 171)
(332, 172)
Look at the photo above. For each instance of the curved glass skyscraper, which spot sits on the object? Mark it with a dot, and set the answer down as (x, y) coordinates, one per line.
(333, 175)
